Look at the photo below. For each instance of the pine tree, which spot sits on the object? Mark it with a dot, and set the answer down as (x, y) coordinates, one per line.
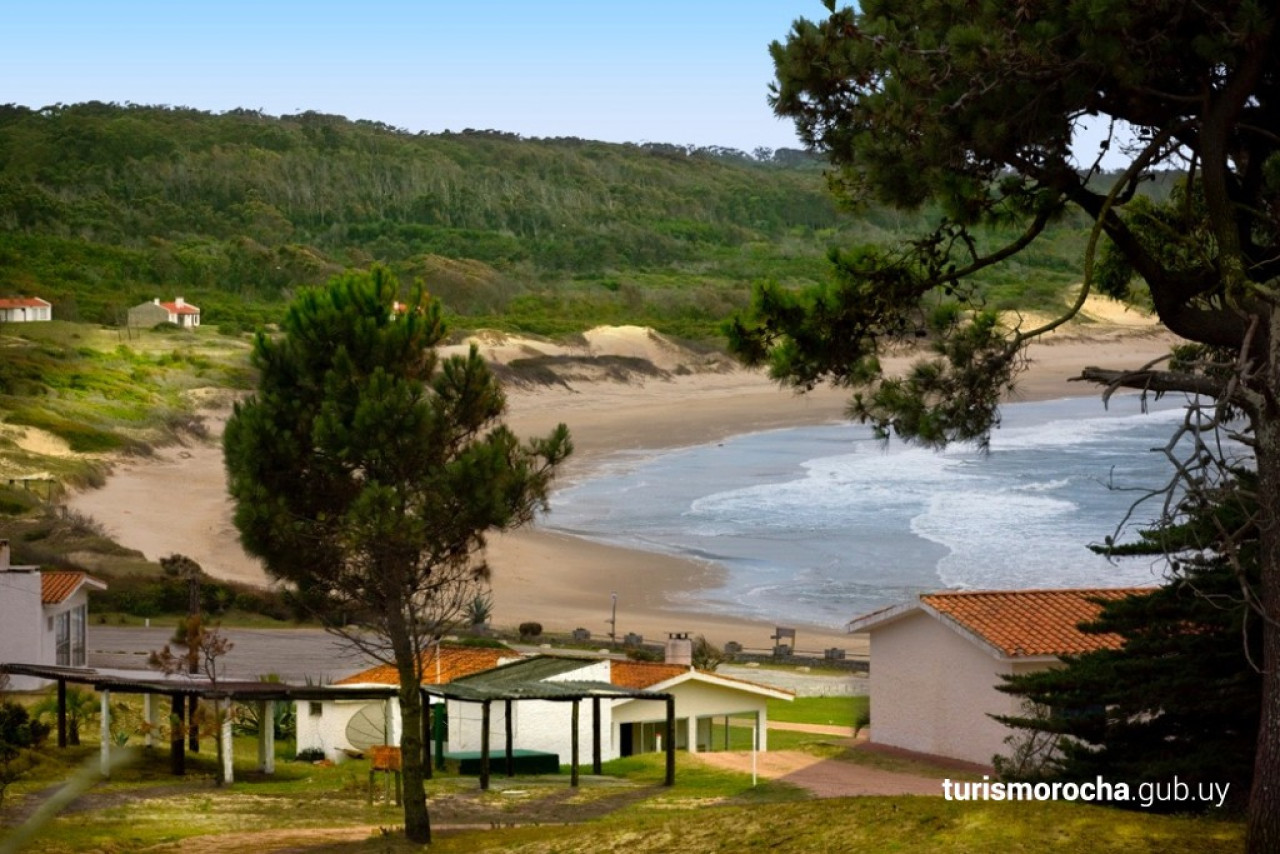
(367, 472)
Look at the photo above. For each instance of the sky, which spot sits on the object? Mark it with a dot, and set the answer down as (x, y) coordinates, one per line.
(693, 72)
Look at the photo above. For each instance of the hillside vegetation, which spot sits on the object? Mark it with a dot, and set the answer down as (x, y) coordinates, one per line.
(103, 206)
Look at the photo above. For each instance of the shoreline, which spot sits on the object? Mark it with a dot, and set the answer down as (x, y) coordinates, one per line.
(561, 581)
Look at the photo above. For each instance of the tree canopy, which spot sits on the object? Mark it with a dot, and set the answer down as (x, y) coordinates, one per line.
(979, 108)
(367, 472)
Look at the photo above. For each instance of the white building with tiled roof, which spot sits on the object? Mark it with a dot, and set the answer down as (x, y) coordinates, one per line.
(936, 662)
(44, 617)
(25, 309)
(179, 312)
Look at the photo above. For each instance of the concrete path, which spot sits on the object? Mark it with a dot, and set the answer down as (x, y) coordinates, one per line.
(825, 778)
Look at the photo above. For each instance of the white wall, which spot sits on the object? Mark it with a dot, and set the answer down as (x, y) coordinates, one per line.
(327, 731)
(22, 625)
(932, 691)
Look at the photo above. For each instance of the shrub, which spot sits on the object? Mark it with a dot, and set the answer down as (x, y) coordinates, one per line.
(530, 630)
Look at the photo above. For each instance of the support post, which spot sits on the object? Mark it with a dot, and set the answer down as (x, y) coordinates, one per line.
(62, 713)
(267, 736)
(484, 745)
(762, 731)
(437, 726)
(573, 751)
(105, 747)
(595, 737)
(193, 731)
(149, 719)
(511, 739)
(177, 744)
(427, 770)
(671, 742)
(222, 713)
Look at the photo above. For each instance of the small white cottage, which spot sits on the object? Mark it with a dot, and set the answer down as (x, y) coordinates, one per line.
(43, 617)
(25, 310)
(936, 662)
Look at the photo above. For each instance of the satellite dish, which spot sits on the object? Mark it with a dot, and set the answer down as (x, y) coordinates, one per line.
(367, 727)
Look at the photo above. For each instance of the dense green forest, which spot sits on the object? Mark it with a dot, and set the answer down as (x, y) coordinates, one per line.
(103, 206)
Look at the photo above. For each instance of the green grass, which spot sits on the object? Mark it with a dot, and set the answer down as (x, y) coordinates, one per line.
(833, 711)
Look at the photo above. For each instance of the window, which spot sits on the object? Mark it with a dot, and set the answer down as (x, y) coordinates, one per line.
(315, 709)
(79, 651)
(62, 635)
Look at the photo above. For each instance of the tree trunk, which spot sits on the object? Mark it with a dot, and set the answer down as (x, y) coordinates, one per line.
(417, 822)
(1264, 798)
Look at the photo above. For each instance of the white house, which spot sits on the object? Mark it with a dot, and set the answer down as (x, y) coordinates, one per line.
(628, 725)
(936, 662)
(179, 312)
(43, 617)
(24, 309)
(336, 726)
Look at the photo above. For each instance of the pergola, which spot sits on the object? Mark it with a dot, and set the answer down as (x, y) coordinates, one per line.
(184, 693)
(513, 684)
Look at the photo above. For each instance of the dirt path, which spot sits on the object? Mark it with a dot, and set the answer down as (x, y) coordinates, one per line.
(825, 778)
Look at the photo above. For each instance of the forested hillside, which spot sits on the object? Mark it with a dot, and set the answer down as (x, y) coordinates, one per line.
(103, 206)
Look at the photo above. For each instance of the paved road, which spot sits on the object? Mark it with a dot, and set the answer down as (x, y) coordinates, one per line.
(295, 655)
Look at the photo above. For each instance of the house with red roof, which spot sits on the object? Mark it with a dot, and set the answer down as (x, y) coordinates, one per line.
(337, 726)
(24, 309)
(43, 617)
(936, 662)
(179, 312)
(532, 691)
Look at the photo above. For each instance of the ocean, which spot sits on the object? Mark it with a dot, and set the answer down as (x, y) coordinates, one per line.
(821, 524)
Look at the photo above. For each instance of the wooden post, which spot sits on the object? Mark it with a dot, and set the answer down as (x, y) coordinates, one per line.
(267, 736)
(437, 728)
(177, 745)
(484, 745)
(426, 736)
(573, 750)
(511, 738)
(193, 731)
(671, 742)
(222, 711)
(105, 746)
(149, 718)
(595, 737)
(62, 713)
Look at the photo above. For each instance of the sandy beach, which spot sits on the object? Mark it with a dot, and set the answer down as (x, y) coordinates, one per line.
(176, 501)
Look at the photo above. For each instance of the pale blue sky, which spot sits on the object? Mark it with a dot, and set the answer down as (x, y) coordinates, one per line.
(695, 71)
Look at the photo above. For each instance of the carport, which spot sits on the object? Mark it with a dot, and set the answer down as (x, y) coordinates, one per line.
(184, 693)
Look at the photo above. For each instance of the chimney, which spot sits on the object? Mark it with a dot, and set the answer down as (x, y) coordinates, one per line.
(156, 300)
(679, 649)
(4, 555)
(179, 302)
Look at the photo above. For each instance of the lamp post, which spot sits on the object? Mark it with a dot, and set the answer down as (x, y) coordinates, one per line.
(613, 621)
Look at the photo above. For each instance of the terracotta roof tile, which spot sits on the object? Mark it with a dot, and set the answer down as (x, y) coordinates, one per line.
(643, 674)
(185, 308)
(1030, 622)
(56, 587)
(454, 663)
(23, 302)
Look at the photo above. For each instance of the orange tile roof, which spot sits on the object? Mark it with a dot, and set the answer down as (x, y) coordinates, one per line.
(185, 308)
(57, 587)
(23, 302)
(643, 674)
(1030, 622)
(455, 662)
